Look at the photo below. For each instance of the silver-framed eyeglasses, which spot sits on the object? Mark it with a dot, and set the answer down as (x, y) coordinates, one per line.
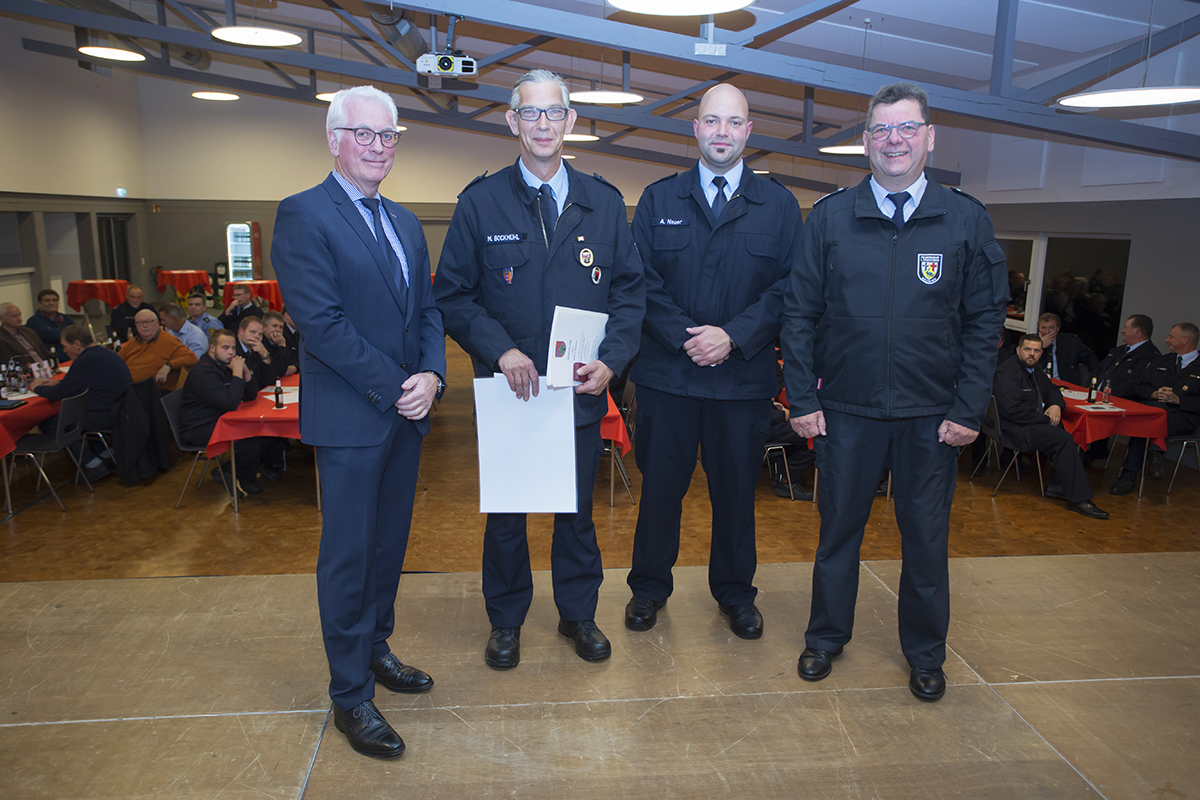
(907, 130)
(533, 114)
(365, 136)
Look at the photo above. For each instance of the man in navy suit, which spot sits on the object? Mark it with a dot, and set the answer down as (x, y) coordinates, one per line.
(354, 270)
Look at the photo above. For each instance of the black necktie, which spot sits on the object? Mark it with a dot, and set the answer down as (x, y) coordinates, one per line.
(549, 209)
(899, 199)
(718, 203)
(389, 254)
(1178, 364)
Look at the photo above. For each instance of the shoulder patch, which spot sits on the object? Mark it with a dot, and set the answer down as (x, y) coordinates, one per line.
(831, 194)
(472, 183)
(598, 177)
(969, 197)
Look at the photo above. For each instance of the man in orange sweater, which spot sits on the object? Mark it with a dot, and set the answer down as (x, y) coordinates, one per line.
(155, 353)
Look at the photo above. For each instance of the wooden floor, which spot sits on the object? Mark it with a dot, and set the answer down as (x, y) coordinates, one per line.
(130, 532)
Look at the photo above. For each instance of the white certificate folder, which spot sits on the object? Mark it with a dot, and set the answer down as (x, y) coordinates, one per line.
(526, 449)
(575, 337)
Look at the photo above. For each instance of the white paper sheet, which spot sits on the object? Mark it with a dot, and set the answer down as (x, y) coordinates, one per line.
(1102, 407)
(526, 449)
(575, 337)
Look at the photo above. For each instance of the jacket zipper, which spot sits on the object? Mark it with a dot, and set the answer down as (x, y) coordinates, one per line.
(887, 374)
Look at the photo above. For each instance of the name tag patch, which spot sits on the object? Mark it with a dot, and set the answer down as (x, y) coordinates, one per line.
(672, 222)
(929, 267)
(497, 238)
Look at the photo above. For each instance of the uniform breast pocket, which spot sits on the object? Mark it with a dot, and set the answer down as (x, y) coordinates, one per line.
(502, 267)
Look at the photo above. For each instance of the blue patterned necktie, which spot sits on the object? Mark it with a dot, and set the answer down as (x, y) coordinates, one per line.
(389, 254)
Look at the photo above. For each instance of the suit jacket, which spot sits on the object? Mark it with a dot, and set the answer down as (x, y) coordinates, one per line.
(1072, 354)
(1125, 369)
(360, 343)
(1021, 400)
(9, 346)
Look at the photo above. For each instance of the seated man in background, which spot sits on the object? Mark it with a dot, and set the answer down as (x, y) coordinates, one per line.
(122, 317)
(1065, 352)
(1171, 381)
(48, 323)
(979, 447)
(276, 343)
(104, 376)
(221, 382)
(799, 457)
(155, 353)
(241, 307)
(170, 316)
(1122, 368)
(17, 339)
(259, 359)
(1030, 409)
(197, 309)
(290, 333)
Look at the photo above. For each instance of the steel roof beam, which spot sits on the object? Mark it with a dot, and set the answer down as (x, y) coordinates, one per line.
(1002, 47)
(781, 24)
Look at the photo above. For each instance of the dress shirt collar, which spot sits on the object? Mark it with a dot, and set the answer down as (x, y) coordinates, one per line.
(1131, 347)
(352, 191)
(915, 192)
(558, 182)
(1188, 358)
(733, 179)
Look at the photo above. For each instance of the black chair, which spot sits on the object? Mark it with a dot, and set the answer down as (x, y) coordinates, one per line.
(990, 427)
(1192, 439)
(170, 405)
(68, 434)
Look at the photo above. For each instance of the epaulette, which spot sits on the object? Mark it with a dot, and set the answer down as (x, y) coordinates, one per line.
(472, 183)
(969, 197)
(606, 183)
(831, 194)
(669, 177)
(777, 182)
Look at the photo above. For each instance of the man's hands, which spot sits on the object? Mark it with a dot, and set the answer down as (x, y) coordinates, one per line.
(36, 382)
(239, 369)
(709, 345)
(521, 373)
(262, 351)
(419, 392)
(956, 435)
(1048, 339)
(161, 375)
(809, 425)
(231, 307)
(596, 376)
(275, 336)
(1165, 394)
(1055, 415)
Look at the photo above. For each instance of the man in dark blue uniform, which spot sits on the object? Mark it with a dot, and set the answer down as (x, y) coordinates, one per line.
(531, 237)
(889, 350)
(1122, 368)
(718, 243)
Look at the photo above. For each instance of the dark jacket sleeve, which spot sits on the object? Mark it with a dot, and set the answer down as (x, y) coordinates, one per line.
(804, 303)
(78, 378)
(626, 298)
(665, 320)
(211, 389)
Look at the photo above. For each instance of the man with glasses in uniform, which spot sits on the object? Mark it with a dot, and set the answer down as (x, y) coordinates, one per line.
(889, 349)
(531, 237)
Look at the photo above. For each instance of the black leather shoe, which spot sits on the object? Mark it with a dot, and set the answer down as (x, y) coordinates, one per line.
(251, 487)
(1126, 483)
(230, 483)
(642, 614)
(1154, 469)
(927, 684)
(270, 473)
(744, 620)
(881, 489)
(815, 665)
(1088, 509)
(798, 492)
(590, 643)
(369, 733)
(399, 677)
(1056, 491)
(503, 648)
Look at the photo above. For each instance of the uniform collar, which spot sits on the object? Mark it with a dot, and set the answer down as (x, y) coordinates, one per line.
(750, 186)
(733, 177)
(932, 204)
(576, 194)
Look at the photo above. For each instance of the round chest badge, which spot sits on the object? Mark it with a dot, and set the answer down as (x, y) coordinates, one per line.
(585, 257)
(596, 275)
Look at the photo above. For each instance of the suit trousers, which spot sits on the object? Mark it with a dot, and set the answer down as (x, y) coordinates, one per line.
(367, 495)
(731, 435)
(574, 553)
(850, 458)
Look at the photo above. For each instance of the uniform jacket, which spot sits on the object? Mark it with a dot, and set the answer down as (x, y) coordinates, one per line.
(499, 280)
(360, 343)
(1021, 401)
(1162, 372)
(1072, 354)
(1125, 369)
(121, 319)
(209, 391)
(731, 274)
(233, 319)
(895, 323)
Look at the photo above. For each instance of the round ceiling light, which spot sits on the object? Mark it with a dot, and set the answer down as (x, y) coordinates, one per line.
(679, 8)
(761, 171)
(568, 156)
(254, 36)
(844, 150)
(111, 53)
(580, 137)
(1131, 98)
(214, 96)
(605, 97)
(326, 96)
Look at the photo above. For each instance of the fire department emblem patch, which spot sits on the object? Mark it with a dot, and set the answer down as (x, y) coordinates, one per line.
(585, 256)
(929, 267)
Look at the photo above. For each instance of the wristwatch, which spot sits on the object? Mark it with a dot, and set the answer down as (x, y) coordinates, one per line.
(441, 384)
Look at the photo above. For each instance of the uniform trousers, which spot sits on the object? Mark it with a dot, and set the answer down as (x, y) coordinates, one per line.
(1178, 424)
(850, 458)
(1060, 447)
(574, 553)
(731, 435)
(367, 495)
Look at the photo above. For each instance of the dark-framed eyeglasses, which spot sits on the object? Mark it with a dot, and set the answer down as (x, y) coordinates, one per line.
(533, 114)
(907, 130)
(365, 136)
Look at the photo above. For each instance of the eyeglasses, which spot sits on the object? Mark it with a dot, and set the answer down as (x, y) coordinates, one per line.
(365, 136)
(907, 130)
(531, 114)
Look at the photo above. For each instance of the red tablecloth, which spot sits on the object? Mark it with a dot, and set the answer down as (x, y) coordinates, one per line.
(183, 280)
(613, 427)
(268, 290)
(257, 417)
(17, 422)
(1134, 419)
(111, 292)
